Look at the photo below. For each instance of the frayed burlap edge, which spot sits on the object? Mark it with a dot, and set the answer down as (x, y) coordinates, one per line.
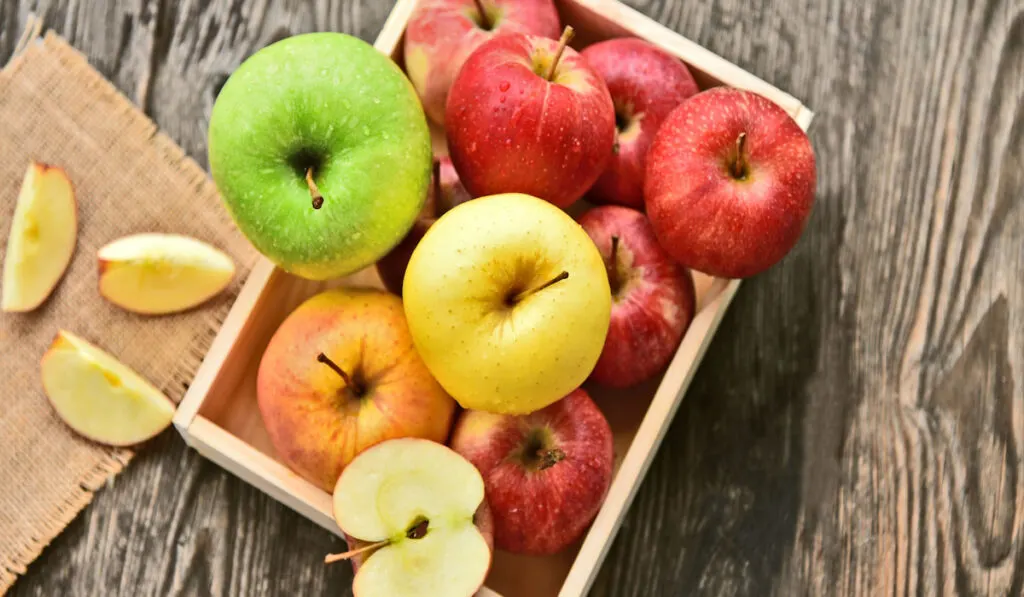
(107, 468)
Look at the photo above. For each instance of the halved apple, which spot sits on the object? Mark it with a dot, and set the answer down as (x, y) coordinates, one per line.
(100, 397)
(43, 234)
(156, 273)
(412, 501)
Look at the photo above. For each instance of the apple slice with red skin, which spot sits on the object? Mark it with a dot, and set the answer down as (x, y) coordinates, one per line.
(546, 472)
(646, 84)
(445, 192)
(653, 297)
(730, 183)
(413, 505)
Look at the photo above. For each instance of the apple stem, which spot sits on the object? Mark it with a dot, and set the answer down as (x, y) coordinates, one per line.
(567, 36)
(338, 557)
(322, 358)
(555, 280)
(550, 458)
(739, 167)
(485, 23)
(318, 199)
(613, 266)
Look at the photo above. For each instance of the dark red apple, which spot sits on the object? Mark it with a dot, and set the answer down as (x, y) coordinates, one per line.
(445, 192)
(653, 298)
(528, 115)
(730, 183)
(545, 474)
(646, 84)
(443, 33)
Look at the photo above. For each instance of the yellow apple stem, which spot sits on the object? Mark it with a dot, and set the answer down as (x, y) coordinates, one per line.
(485, 23)
(526, 293)
(567, 35)
(318, 199)
(739, 167)
(338, 557)
(322, 358)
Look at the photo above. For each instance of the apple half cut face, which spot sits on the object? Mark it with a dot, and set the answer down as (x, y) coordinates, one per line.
(100, 397)
(43, 234)
(415, 500)
(156, 274)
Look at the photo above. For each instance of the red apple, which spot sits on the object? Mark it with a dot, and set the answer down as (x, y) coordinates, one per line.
(653, 298)
(646, 84)
(528, 115)
(340, 375)
(442, 33)
(446, 191)
(730, 183)
(546, 473)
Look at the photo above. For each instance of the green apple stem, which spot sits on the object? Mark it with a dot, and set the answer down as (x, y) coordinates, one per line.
(485, 23)
(338, 557)
(318, 199)
(739, 167)
(613, 265)
(567, 36)
(555, 280)
(322, 358)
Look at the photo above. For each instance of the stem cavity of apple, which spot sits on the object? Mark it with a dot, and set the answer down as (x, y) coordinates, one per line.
(338, 557)
(322, 358)
(518, 297)
(567, 36)
(739, 167)
(314, 192)
(485, 22)
(613, 266)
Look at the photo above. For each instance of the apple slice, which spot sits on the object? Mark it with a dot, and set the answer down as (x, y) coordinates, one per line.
(413, 501)
(100, 397)
(156, 274)
(42, 239)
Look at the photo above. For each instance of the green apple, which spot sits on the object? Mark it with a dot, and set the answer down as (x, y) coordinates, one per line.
(508, 303)
(321, 151)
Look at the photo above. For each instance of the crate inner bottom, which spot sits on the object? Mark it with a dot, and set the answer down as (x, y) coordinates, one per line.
(232, 406)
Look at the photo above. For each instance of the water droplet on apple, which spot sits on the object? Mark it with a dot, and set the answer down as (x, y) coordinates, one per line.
(504, 86)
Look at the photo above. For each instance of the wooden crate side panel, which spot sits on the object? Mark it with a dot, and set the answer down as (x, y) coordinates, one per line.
(648, 437)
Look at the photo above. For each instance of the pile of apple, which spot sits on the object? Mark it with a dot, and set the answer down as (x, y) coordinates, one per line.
(446, 413)
(148, 273)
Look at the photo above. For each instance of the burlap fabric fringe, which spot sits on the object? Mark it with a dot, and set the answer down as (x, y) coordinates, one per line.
(128, 178)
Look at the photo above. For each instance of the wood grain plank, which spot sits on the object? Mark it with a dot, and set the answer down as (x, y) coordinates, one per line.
(857, 426)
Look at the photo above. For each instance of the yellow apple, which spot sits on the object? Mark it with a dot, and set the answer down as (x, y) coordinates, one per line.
(155, 274)
(508, 303)
(340, 375)
(100, 397)
(42, 238)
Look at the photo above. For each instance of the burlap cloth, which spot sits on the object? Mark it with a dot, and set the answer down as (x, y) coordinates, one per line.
(128, 178)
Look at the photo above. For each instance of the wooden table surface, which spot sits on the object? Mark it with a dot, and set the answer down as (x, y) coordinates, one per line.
(857, 427)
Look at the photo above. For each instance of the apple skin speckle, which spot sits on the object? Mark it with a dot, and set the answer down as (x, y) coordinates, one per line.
(705, 217)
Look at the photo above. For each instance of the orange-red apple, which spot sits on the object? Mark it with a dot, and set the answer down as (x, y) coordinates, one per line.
(340, 375)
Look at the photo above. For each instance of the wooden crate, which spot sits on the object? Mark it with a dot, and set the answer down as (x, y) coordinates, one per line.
(220, 419)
